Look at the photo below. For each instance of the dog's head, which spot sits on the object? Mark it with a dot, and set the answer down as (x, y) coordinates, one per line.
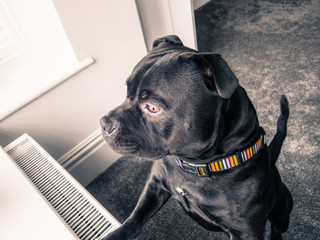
(173, 103)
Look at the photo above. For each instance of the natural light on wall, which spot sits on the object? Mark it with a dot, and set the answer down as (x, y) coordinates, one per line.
(35, 53)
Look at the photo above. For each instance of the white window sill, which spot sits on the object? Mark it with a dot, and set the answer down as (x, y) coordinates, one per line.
(19, 93)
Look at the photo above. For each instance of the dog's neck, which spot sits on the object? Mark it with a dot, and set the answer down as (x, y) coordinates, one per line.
(240, 123)
(237, 127)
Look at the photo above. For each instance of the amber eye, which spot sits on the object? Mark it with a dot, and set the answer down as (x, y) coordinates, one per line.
(152, 108)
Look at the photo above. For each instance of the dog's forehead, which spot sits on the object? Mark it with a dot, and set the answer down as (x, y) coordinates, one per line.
(159, 69)
(154, 61)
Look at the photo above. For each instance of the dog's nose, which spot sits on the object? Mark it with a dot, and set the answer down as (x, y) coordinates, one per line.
(108, 125)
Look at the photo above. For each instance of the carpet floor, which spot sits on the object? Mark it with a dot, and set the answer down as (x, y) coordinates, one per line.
(273, 47)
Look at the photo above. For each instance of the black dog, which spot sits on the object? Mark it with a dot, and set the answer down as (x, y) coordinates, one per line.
(188, 112)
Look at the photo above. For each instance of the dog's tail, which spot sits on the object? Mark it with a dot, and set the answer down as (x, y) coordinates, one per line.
(276, 143)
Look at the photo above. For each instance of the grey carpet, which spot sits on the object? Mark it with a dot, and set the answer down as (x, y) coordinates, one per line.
(274, 48)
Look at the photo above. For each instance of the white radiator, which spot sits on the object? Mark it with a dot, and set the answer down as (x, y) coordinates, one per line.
(81, 213)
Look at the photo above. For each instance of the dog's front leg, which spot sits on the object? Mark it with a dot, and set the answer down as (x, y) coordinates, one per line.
(153, 197)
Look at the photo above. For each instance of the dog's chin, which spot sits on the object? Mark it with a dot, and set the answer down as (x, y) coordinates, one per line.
(132, 147)
(121, 147)
(124, 149)
(134, 150)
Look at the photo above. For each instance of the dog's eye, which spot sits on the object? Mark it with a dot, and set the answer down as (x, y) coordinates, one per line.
(152, 108)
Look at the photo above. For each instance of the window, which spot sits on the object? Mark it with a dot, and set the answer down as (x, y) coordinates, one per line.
(35, 52)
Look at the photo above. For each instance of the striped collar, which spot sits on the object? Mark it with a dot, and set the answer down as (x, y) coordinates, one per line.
(230, 162)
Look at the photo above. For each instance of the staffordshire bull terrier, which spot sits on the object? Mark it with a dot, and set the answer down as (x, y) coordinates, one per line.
(187, 111)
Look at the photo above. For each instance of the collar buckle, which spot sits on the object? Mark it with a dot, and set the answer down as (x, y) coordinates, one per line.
(201, 169)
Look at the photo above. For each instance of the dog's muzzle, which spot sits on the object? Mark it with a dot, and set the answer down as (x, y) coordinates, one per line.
(108, 125)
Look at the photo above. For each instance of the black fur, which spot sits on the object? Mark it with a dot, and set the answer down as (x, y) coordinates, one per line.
(181, 103)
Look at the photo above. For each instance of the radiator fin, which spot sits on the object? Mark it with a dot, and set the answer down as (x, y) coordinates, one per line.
(70, 202)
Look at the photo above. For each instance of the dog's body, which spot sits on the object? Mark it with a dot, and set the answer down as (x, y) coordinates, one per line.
(188, 108)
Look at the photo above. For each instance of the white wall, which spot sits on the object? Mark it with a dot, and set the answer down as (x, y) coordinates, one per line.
(160, 18)
(46, 54)
(166, 17)
(110, 32)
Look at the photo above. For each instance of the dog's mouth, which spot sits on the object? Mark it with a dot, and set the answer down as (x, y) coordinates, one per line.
(121, 143)
(126, 143)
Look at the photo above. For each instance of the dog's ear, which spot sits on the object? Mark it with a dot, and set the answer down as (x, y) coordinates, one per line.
(224, 79)
(168, 40)
(202, 65)
(217, 74)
